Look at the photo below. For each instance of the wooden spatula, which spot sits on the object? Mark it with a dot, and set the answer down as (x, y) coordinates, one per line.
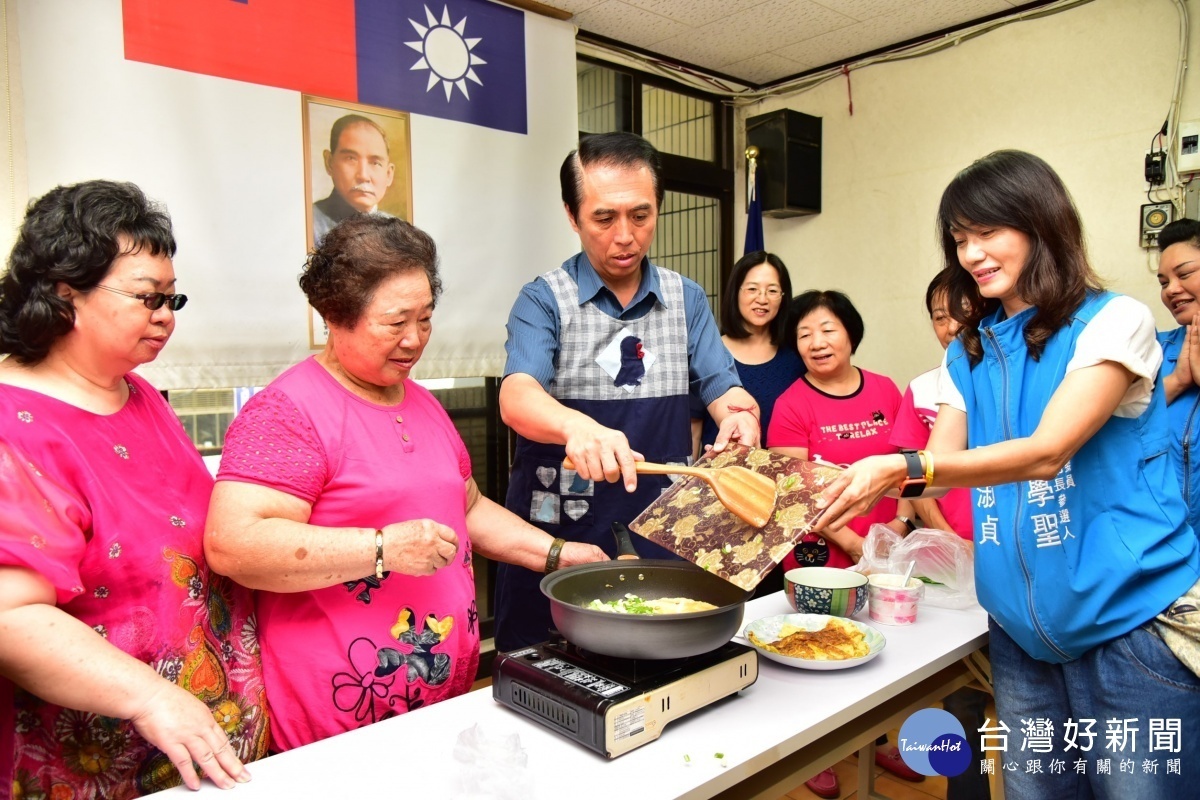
(749, 495)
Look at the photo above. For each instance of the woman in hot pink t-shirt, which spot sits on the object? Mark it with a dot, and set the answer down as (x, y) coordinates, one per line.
(836, 413)
(345, 498)
(124, 661)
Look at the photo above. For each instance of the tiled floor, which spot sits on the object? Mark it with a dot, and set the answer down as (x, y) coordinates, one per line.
(885, 784)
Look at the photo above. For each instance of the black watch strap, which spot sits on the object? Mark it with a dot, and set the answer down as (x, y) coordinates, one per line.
(914, 484)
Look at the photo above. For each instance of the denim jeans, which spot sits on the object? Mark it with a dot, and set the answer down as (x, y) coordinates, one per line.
(1133, 677)
(969, 707)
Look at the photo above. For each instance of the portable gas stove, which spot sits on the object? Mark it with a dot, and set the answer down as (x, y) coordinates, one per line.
(614, 705)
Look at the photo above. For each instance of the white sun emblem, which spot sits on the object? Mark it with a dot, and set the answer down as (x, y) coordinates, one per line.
(446, 53)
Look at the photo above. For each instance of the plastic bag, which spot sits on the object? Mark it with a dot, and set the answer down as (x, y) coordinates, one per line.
(492, 767)
(945, 562)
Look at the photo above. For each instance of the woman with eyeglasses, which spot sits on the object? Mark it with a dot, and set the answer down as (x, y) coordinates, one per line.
(345, 498)
(753, 328)
(124, 661)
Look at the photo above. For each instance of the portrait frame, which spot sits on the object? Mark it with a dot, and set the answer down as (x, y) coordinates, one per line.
(317, 117)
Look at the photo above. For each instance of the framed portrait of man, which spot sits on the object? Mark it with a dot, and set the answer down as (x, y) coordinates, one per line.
(357, 159)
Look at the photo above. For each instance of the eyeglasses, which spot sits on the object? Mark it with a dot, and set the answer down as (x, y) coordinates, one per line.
(152, 300)
(772, 292)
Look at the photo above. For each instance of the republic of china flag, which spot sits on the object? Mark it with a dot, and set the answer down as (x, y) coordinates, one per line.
(456, 59)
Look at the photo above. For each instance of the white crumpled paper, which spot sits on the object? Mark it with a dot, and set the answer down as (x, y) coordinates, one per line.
(494, 767)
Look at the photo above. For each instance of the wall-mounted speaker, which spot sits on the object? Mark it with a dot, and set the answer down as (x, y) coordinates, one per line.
(789, 162)
(1155, 217)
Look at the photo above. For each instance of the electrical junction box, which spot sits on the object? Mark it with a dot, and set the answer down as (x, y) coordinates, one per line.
(1188, 158)
(1155, 217)
(1191, 200)
(1156, 168)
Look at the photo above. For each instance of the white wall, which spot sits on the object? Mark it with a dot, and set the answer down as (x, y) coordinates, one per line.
(13, 176)
(1085, 90)
(227, 159)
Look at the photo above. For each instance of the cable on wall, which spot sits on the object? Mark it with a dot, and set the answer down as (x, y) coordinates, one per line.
(10, 155)
(746, 96)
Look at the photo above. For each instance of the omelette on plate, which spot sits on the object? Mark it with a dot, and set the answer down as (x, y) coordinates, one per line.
(837, 641)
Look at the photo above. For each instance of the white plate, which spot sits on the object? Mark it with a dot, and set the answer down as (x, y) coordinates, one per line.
(767, 629)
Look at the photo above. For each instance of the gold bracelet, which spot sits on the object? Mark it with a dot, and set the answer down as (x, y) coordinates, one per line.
(552, 557)
(378, 554)
(928, 467)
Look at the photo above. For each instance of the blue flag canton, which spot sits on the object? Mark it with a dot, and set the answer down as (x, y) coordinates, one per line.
(457, 59)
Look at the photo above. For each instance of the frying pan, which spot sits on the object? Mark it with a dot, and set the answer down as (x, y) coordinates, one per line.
(655, 636)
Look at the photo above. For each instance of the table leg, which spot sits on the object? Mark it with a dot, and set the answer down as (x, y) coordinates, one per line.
(866, 773)
(855, 735)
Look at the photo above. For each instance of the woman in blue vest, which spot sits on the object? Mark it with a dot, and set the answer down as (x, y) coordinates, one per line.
(1050, 410)
(1179, 277)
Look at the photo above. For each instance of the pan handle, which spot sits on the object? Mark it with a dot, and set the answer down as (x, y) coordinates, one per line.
(625, 548)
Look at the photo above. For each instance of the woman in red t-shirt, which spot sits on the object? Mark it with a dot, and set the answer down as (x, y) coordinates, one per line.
(836, 413)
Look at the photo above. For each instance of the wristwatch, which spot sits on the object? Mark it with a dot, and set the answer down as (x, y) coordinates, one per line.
(908, 523)
(914, 484)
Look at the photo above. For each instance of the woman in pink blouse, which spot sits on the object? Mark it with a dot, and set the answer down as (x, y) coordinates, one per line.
(123, 659)
(345, 498)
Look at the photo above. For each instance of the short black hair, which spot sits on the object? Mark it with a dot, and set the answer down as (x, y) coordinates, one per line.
(626, 150)
(939, 284)
(356, 256)
(732, 324)
(1181, 230)
(837, 303)
(335, 133)
(72, 235)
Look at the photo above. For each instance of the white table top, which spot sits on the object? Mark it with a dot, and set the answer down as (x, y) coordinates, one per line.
(783, 711)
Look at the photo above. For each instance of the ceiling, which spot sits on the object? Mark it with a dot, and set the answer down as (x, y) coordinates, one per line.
(760, 41)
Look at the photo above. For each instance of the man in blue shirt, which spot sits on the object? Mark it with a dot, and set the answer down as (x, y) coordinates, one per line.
(602, 354)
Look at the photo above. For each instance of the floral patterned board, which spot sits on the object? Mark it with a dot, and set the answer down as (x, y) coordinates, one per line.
(691, 522)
